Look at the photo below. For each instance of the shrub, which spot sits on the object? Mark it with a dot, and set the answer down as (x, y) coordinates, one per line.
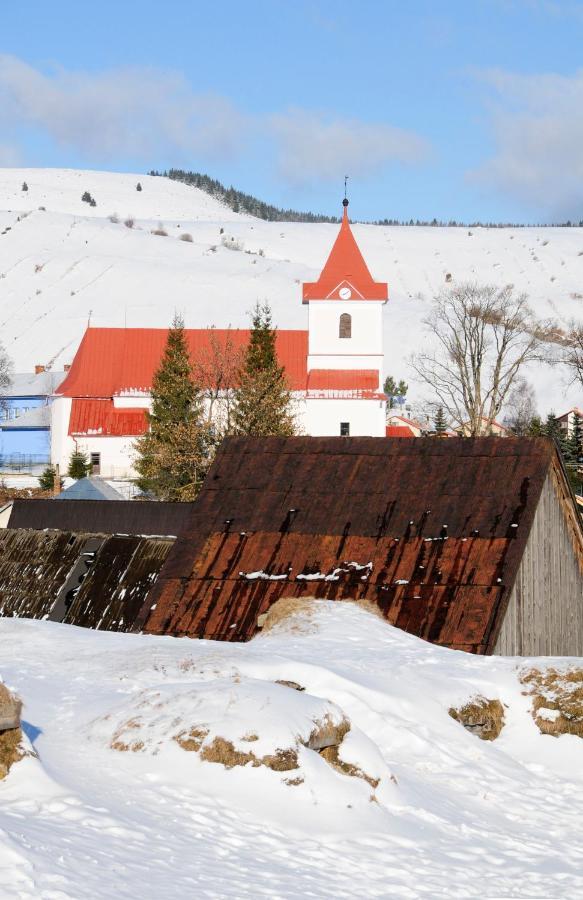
(24, 186)
(129, 223)
(114, 218)
(231, 243)
(161, 232)
(186, 237)
(92, 202)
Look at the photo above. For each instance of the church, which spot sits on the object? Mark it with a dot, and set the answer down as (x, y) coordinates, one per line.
(334, 368)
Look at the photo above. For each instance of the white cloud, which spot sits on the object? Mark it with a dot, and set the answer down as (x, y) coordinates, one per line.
(146, 114)
(313, 147)
(537, 125)
(131, 112)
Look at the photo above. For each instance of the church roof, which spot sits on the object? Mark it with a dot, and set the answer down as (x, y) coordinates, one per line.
(113, 361)
(345, 275)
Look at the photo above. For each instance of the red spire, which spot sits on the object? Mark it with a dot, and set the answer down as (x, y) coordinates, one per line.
(345, 271)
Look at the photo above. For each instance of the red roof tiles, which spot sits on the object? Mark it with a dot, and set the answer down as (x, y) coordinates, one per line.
(345, 275)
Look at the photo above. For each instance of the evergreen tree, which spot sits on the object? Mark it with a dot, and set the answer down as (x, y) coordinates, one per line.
(138, 186)
(574, 442)
(24, 186)
(174, 454)
(86, 197)
(552, 428)
(47, 479)
(395, 391)
(79, 465)
(535, 427)
(440, 421)
(263, 402)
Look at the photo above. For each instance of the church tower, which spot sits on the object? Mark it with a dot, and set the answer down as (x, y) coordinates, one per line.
(345, 344)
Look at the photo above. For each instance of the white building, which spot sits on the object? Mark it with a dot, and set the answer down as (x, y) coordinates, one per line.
(335, 368)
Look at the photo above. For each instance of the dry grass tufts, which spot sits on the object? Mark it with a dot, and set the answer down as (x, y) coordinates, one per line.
(370, 607)
(191, 740)
(286, 608)
(481, 716)
(186, 237)
(330, 754)
(223, 752)
(327, 734)
(290, 684)
(557, 700)
(10, 750)
(161, 232)
(10, 709)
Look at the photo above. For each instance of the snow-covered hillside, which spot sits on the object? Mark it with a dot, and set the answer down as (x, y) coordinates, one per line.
(122, 802)
(66, 263)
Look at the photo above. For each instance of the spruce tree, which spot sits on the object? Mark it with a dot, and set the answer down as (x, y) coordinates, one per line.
(440, 421)
(263, 402)
(79, 465)
(138, 186)
(24, 186)
(47, 478)
(174, 454)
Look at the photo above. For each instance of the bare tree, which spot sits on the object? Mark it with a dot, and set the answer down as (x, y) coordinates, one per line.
(520, 408)
(5, 375)
(485, 335)
(216, 369)
(573, 357)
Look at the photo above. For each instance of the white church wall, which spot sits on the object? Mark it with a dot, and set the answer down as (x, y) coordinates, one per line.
(116, 454)
(324, 416)
(323, 325)
(61, 444)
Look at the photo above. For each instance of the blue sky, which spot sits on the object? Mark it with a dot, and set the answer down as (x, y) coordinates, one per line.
(466, 110)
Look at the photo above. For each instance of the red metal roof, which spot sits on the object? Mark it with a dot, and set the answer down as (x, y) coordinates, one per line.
(101, 418)
(345, 269)
(399, 431)
(111, 361)
(343, 380)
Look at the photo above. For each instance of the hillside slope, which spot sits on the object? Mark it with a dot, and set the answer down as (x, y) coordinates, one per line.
(66, 264)
(123, 802)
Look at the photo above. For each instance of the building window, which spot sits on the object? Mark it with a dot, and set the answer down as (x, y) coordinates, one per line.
(345, 326)
(95, 463)
(344, 429)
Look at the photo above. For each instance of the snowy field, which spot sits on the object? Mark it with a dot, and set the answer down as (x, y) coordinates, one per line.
(67, 263)
(451, 816)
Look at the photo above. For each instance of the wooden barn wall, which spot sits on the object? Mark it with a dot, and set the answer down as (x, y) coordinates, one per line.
(545, 609)
(96, 581)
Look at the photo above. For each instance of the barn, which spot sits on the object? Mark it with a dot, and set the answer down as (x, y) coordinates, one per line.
(473, 543)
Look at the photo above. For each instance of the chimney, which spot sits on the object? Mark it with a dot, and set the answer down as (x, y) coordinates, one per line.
(57, 482)
(66, 367)
(38, 370)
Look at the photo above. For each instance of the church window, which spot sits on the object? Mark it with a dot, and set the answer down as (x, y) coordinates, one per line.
(345, 326)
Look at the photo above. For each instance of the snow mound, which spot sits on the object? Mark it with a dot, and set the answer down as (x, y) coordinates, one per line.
(463, 817)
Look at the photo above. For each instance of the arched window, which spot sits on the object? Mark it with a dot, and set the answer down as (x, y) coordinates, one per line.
(345, 326)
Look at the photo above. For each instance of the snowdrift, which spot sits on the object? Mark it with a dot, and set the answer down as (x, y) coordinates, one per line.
(444, 813)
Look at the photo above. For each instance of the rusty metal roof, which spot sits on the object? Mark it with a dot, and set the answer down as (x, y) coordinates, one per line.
(431, 531)
(140, 517)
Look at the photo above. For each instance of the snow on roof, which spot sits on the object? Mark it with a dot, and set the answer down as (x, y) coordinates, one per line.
(91, 488)
(40, 417)
(32, 384)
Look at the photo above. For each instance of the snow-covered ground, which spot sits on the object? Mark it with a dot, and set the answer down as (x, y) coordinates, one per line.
(66, 264)
(452, 816)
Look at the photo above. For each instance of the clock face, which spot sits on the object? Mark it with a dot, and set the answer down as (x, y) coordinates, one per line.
(345, 293)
